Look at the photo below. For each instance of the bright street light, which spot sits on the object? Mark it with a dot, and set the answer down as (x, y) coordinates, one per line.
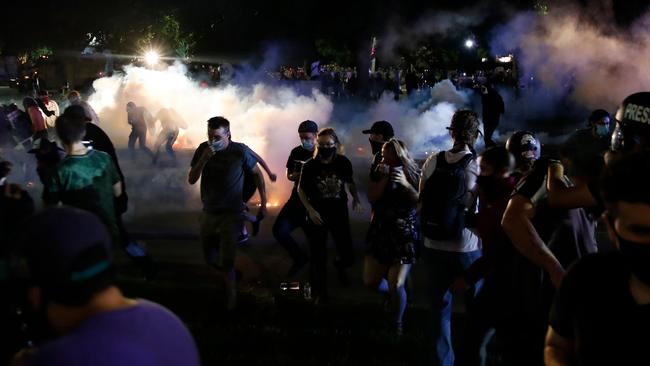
(151, 57)
(469, 43)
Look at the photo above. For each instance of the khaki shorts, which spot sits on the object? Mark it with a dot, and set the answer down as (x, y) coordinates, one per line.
(219, 234)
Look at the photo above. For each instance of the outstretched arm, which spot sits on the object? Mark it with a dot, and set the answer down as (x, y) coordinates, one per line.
(559, 195)
(265, 166)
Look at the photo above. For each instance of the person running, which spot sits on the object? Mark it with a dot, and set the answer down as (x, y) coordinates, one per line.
(491, 307)
(324, 184)
(293, 214)
(447, 192)
(170, 122)
(137, 118)
(221, 164)
(393, 237)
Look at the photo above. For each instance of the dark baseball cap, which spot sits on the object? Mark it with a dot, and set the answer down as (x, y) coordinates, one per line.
(69, 254)
(76, 111)
(308, 126)
(383, 128)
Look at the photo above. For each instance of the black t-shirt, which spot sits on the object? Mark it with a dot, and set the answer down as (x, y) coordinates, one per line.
(595, 309)
(375, 175)
(137, 119)
(569, 235)
(222, 178)
(297, 158)
(324, 184)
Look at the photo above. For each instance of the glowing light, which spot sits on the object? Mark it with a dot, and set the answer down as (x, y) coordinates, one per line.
(469, 43)
(505, 59)
(484, 59)
(151, 57)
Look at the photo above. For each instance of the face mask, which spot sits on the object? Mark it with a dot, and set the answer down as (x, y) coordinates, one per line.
(602, 130)
(375, 146)
(218, 145)
(326, 152)
(307, 144)
(636, 257)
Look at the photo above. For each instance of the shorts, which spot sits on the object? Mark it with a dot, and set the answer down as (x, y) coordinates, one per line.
(219, 233)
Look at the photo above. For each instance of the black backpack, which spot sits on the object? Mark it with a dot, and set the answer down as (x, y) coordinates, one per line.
(443, 200)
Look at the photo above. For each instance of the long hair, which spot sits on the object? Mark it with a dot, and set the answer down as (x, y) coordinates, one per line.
(411, 169)
(329, 132)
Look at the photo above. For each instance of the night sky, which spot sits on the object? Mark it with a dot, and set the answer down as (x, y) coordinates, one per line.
(230, 27)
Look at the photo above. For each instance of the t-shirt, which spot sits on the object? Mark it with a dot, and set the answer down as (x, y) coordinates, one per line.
(298, 156)
(569, 234)
(222, 177)
(375, 176)
(324, 184)
(470, 241)
(595, 309)
(145, 334)
(86, 182)
(137, 119)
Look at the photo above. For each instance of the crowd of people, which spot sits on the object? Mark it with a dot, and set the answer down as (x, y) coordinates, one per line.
(511, 229)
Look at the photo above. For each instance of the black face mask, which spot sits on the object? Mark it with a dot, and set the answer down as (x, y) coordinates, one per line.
(375, 146)
(486, 182)
(326, 152)
(636, 257)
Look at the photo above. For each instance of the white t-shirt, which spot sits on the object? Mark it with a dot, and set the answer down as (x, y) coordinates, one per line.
(470, 240)
(51, 106)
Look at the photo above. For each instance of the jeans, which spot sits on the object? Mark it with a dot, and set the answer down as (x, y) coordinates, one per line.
(135, 135)
(443, 268)
(291, 217)
(168, 138)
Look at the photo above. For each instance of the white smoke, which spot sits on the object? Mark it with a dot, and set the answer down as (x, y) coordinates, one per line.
(266, 117)
(263, 117)
(593, 64)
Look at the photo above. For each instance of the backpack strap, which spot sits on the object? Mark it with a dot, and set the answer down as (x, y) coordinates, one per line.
(442, 162)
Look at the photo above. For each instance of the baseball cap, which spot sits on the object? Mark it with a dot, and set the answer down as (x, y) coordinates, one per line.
(383, 128)
(308, 126)
(69, 254)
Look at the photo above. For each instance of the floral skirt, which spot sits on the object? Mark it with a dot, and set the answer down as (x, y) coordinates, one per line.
(394, 237)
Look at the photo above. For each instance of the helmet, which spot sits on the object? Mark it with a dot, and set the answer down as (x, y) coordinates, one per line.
(524, 146)
(632, 123)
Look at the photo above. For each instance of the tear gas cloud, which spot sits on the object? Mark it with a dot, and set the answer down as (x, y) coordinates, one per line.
(265, 116)
(573, 59)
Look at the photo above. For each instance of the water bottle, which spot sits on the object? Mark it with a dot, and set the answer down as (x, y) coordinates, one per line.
(307, 291)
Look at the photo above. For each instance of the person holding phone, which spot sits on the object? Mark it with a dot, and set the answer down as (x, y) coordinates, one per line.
(393, 238)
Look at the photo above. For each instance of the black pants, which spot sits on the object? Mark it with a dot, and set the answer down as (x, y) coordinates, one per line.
(291, 217)
(490, 124)
(141, 135)
(336, 221)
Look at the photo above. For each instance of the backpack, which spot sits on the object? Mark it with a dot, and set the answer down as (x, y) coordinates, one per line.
(443, 200)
